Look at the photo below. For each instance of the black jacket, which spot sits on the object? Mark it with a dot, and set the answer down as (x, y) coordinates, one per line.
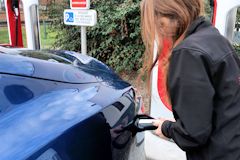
(204, 87)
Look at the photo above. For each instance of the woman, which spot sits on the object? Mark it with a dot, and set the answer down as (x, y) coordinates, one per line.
(201, 76)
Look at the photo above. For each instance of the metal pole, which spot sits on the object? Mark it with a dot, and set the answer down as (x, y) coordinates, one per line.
(84, 40)
(45, 29)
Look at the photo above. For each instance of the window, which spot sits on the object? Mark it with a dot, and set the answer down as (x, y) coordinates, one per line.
(44, 55)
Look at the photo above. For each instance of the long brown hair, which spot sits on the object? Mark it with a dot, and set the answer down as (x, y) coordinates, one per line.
(178, 13)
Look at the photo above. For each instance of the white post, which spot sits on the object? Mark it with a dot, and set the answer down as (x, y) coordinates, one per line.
(84, 40)
(32, 23)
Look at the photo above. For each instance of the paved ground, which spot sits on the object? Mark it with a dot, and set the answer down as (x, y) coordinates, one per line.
(159, 149)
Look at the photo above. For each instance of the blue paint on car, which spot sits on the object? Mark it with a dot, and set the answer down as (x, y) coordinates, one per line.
(50, 115)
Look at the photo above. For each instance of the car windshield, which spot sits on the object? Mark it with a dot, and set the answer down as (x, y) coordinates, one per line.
(43, 55)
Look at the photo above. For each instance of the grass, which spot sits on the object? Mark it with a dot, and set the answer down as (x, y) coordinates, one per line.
(4, 35)
(47, 36)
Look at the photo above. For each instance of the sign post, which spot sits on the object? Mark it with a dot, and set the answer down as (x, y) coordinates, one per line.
(81, 15)
(84, 40)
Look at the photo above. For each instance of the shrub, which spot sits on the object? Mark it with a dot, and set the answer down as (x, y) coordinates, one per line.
(237, 48)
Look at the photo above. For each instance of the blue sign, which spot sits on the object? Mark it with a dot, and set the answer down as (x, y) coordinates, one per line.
(77, 17)
(69, 16)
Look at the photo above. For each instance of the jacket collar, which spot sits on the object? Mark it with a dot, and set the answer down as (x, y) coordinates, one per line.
(197, 24)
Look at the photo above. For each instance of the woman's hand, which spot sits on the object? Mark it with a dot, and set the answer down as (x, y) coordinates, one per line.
(158, 123)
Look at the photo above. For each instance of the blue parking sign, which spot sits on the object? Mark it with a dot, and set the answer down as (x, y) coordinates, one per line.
(69, 16)
(77, 17)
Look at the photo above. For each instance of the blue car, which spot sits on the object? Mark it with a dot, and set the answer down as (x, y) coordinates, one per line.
(61, 105)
